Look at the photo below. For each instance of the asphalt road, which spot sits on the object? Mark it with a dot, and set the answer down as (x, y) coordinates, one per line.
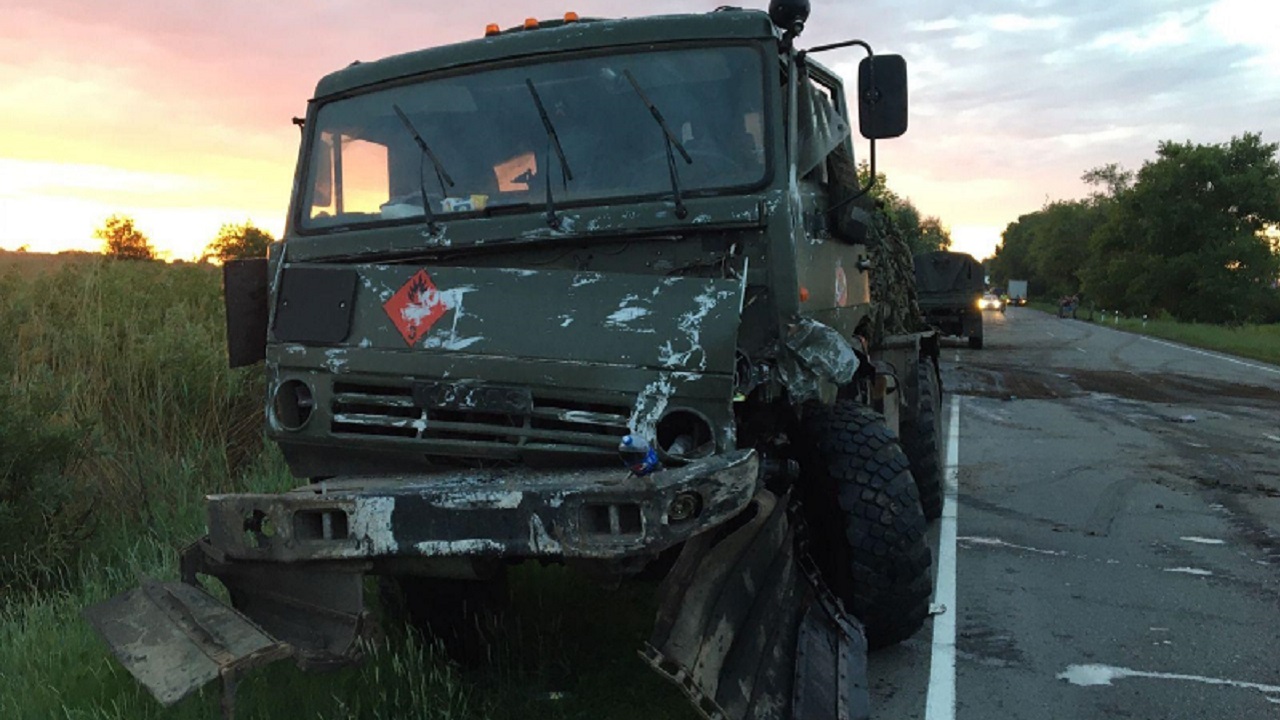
(1116, 536)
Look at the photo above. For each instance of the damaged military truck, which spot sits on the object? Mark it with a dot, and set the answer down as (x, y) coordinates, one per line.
(504, 256)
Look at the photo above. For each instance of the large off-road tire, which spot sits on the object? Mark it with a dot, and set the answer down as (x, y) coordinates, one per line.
(458, 613)
(922, 440)
(866, 526)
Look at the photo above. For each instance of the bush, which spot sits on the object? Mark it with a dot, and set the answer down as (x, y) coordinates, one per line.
(42, 518)
(122, 241)
(124, 411)
(239, 242)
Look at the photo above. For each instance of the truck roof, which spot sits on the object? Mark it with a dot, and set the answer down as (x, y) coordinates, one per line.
(942, 271)
(554, 37)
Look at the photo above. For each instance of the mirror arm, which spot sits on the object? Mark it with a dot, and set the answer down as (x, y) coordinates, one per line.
(800, 56)
(871, 181)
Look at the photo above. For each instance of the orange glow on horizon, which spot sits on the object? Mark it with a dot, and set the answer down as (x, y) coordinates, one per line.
(52, 206)
(177, 115)
(133, 109)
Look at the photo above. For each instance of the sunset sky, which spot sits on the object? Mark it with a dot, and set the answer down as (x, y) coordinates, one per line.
(177, 113)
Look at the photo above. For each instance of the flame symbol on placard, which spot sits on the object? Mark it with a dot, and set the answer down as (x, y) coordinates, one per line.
(416, 306)
(416, 288)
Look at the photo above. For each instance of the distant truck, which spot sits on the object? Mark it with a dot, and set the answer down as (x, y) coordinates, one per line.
(951, 285)
(1017, 292)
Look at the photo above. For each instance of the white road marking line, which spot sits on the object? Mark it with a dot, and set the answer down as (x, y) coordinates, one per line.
(1218, 356)
(1086, 352)
(969, 542)
(1189, 571)
(1090, 675)
(997, 542)
(1050, 334)
(940, 703)
(1203, 540)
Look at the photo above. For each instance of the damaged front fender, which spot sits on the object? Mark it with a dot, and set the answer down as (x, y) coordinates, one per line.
(747, 629)
(816, 357)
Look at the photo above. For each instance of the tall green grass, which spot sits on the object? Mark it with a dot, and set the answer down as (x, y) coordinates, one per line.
(117, 415)
(115, 379)
(52, 666)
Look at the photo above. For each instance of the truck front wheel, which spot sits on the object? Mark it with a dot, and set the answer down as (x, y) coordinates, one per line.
(922, 441)
(867, 526)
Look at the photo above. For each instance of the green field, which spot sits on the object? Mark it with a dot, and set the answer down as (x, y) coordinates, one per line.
(119, 416)
(1259, 342)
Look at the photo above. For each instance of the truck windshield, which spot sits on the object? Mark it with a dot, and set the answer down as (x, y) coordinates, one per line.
(488, 137)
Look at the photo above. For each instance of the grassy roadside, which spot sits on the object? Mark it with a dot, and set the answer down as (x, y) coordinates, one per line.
(118, 416)
(566, 650)
(1257, 342)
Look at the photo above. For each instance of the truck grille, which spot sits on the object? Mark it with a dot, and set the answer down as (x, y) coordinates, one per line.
(551, 424)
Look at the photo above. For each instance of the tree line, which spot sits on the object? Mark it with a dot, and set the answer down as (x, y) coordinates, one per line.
(1194, 234)
(122, 240)
(922, 233)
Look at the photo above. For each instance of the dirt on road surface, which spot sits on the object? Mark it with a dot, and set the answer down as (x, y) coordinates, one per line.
(1117, 533)
(1013, 383)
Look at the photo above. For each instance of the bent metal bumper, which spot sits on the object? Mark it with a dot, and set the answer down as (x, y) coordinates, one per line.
(294, 563)
(602, 514)
(745, 626)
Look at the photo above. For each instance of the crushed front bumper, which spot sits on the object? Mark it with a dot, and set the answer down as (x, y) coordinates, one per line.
(599, 514)
(745, 626)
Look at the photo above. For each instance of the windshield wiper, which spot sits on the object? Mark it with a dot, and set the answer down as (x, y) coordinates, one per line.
(442, 175)
(553, 139)
(669, 141)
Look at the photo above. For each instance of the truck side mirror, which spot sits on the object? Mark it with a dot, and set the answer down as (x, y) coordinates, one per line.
(882, 96)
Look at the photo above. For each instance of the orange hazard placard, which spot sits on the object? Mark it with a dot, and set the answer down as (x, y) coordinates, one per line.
(416, 307)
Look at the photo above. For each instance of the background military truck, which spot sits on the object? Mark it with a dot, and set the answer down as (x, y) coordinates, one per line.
(504, 256)
(950, 285)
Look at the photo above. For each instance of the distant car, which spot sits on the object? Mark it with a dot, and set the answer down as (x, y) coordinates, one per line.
(990, 301)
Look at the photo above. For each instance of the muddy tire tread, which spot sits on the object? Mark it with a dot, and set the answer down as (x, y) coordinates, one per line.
(881, 569)
(922, 442)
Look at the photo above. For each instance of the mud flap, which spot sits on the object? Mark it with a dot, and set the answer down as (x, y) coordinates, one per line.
(175, 638)
(317, 609)
(747, 630)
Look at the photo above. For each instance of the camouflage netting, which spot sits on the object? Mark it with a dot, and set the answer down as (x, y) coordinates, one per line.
(895, 307)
